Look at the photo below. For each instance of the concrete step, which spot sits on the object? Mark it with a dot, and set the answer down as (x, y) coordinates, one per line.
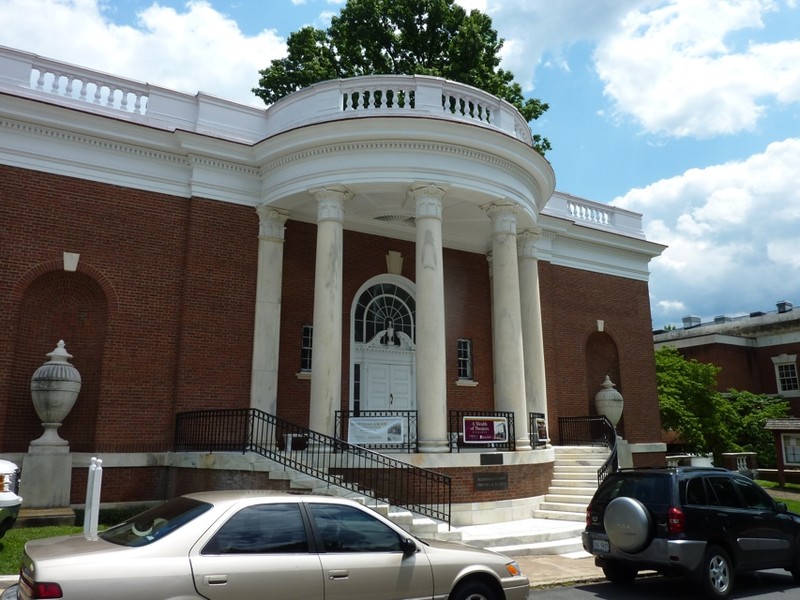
(577, 476)
(560, 515)
(525, 537)
(569, 498)
(566, 546)
(574, 507)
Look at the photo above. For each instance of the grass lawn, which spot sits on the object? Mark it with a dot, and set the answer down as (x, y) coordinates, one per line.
(13, 543)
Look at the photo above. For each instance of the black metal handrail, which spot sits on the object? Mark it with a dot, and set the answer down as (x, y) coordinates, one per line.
(329, 459)
(592, 431)
(457, 441)
(537, 430)
(407, 440)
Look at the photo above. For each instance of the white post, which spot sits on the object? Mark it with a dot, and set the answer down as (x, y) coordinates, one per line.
(92, 513)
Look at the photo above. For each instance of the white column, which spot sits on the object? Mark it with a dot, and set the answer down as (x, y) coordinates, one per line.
(326, 363)
(509, 364)
(267, 324)
(532, 337)
(430, 334)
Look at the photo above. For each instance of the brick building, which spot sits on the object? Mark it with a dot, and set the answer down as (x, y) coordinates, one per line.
(755, 353)
(381, 243)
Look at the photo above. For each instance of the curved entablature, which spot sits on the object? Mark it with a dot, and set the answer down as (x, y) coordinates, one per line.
(378, 162)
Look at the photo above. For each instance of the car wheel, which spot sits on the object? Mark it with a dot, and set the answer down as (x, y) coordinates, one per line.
(472, 590)
(619, 573)
(795, 570)
(628, 524)
(716, 573)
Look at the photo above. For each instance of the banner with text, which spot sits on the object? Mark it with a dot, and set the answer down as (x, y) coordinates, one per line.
(376, 430)
(485, 430)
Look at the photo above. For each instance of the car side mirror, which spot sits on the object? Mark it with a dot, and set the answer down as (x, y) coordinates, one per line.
(781, 507)
(409, 546)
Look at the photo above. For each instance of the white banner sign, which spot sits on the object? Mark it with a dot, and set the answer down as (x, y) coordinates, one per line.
(376, 430)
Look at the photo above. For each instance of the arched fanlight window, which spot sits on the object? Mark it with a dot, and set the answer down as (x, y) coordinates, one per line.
(380, 304)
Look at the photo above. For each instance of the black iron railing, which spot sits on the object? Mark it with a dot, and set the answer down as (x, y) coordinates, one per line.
(328, 459)
(537, 430)
(592, 431)
(401, 424)
(505, 435)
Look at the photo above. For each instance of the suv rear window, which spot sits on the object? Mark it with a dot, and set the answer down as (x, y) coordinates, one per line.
(645, 487)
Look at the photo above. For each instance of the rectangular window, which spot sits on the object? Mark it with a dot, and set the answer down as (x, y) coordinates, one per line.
(464, 354)
(787, 378)
(305, 348)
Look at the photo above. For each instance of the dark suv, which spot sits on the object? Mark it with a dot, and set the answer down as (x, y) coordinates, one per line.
(704, 522)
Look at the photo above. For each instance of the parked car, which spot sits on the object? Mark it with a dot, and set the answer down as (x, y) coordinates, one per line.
(707, 523)
(10, 501)
(236, 545)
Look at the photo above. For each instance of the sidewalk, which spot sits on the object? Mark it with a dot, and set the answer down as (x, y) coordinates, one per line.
(551, 570)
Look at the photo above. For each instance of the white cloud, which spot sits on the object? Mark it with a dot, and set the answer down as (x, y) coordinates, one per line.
(731, 229)
(536, 30)
(675, 70)
(196, 48)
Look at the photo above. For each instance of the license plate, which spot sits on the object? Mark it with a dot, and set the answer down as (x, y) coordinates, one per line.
(600, 545)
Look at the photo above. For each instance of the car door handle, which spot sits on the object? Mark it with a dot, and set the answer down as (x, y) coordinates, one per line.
(338, 574)
(215, 579)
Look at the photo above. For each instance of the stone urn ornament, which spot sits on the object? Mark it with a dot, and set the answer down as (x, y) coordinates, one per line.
(609, 402)
(54, 388)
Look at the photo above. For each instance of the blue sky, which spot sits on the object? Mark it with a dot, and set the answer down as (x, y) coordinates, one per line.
(687, 111)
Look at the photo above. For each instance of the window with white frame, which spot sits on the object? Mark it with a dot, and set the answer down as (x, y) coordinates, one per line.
(786, 374)
(464, 354)
(305, 348)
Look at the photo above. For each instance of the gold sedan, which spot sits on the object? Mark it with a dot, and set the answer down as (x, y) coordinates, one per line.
(242, 545)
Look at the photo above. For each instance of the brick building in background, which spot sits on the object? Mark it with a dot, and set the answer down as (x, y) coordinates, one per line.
(755, 353)
(372, 244)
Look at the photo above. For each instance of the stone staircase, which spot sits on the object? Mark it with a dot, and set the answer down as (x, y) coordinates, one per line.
(554, 528)
(574, 483)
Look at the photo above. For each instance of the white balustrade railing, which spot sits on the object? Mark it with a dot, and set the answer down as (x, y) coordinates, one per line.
(594, 214)
(375, 95)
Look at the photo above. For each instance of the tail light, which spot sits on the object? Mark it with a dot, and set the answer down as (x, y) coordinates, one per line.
(40, 590)
(676, 520)
(588, 515)
(46, 590)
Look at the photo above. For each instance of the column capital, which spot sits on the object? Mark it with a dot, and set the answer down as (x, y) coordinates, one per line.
(330, 202)
(271, 222)
(503, 216)
(428, 198)
(526, 242)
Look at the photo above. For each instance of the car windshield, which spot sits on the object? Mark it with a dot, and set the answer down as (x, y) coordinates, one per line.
(155, 523)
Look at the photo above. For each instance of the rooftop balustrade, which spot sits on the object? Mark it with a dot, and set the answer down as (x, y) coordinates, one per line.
(31, 76)
(28, 74)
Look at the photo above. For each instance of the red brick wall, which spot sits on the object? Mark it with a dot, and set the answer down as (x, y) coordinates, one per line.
(572, 303)
(174, 277)
(739, 366)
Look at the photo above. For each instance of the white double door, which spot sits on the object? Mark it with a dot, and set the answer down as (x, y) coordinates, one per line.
(389, 386)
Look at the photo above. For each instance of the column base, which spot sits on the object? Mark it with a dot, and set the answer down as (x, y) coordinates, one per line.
(433, 446)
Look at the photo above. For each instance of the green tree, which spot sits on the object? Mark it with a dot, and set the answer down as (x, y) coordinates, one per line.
(690, 405)
(705, 419)
(752, 413)
(412, 37)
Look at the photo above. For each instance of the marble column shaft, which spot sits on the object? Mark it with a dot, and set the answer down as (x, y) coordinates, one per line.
(532, 336)
(509, 364)
(326, 366)
(267, 325)
(430, 326)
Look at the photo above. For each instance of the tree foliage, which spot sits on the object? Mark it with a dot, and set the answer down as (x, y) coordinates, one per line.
(706, 420)
(752, 413)
(412, 37)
